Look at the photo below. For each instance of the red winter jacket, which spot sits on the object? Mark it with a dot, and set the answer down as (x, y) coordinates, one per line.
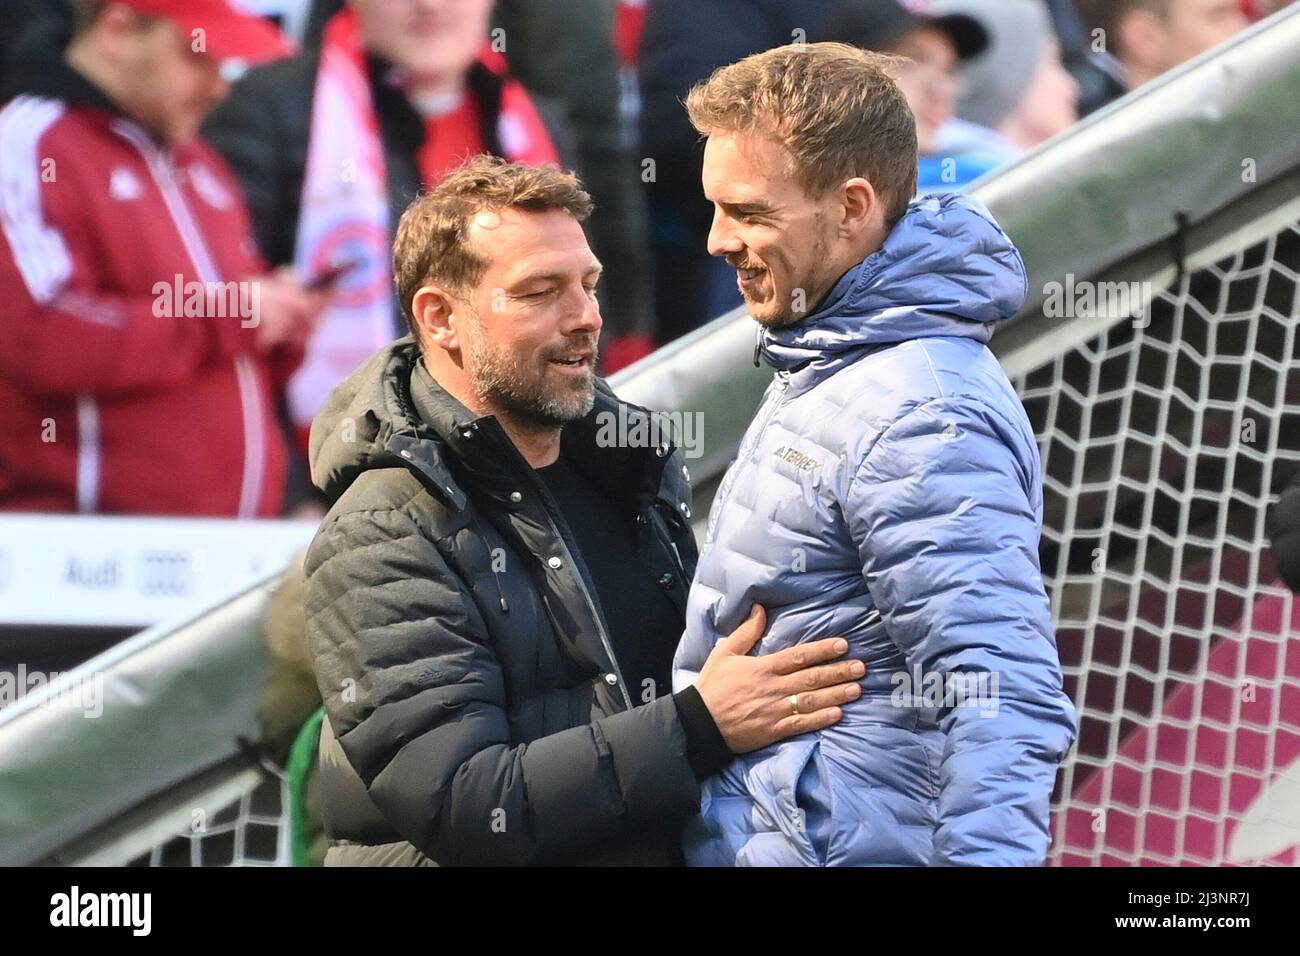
(111, 399)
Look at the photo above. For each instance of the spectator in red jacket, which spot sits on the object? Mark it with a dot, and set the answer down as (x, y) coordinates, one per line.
(142, 336)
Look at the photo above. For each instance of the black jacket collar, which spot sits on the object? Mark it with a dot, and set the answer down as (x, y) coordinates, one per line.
(391, 412)
(486, 456)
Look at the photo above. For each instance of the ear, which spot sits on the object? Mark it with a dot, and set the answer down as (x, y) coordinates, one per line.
(863, 209)
(433, 309)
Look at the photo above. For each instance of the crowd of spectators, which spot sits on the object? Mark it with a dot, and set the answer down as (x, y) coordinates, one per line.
(267, 150)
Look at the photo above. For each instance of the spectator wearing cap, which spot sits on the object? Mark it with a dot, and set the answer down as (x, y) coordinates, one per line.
(1017, 92)
(932, 46)
(1147, 38)
(333, 144)
(144, 340)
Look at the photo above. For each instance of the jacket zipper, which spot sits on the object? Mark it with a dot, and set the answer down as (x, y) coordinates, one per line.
(680, 594)
(576, 572)
(783, 383)
(670, 517)
(162, 170)
(595, 616)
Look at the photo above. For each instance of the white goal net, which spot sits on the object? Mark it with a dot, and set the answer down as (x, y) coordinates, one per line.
(1163, 438)
(235, 816)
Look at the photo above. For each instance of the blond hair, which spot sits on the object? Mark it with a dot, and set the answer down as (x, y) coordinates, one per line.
(834, 109)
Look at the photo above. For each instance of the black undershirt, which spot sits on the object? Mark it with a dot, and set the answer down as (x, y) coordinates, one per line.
(644, 625)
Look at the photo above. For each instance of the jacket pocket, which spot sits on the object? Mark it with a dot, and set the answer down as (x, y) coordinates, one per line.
(931, 771)
(792, 790)
(814, 801)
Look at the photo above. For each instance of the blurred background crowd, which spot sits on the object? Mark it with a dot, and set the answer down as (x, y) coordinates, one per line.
(169, 141)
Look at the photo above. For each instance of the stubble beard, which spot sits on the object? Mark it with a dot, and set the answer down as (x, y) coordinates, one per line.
(783, 315)
(509, 387)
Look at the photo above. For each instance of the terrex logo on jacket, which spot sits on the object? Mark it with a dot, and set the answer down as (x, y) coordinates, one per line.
(109, 403)
(889, 492)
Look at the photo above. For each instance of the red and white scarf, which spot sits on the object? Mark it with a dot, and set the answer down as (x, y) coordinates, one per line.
(345, 216)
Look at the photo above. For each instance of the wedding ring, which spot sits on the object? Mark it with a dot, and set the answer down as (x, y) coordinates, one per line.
(794, 704)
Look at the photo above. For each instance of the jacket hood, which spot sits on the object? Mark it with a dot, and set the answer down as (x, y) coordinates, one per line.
(945, 269)
(369, 421)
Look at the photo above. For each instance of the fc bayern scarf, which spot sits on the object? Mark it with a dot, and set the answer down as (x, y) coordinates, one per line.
(344, 219)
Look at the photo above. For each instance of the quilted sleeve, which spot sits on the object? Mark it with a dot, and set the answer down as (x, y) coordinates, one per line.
(942, 509)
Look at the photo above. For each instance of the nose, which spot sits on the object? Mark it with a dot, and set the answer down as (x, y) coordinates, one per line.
(722, 237)
(583, 315)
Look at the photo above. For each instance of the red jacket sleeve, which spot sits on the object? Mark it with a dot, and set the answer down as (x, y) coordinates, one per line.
(66, 331)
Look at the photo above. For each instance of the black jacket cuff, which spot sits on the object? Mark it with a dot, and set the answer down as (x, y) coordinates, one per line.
(706, 749)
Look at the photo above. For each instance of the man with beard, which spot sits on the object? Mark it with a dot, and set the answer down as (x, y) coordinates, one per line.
(496, 594)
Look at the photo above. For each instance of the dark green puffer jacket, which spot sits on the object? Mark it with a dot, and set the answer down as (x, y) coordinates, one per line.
(475, 712)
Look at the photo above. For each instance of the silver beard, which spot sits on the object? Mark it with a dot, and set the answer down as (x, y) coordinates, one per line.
(500, 382)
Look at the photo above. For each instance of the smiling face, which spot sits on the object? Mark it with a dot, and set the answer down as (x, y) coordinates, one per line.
(809, 162)
(526, 334)
(777, 239)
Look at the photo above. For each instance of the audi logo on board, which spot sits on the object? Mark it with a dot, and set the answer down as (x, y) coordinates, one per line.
(165, 573)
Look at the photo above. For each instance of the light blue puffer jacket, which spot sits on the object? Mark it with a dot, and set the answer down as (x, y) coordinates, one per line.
(889, 491)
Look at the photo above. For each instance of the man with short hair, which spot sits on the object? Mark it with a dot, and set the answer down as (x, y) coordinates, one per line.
(888, 490)
(496, 594)
(144, 340)
(1148, 38)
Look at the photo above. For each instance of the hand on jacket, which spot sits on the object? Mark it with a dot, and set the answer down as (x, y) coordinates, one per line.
(749, 697)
